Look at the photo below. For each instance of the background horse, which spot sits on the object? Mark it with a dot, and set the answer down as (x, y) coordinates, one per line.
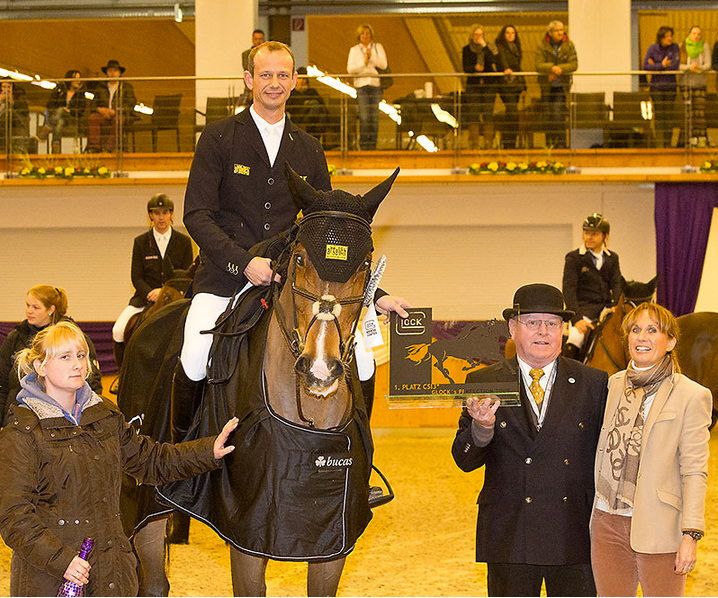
(297, 486)
(176, 284)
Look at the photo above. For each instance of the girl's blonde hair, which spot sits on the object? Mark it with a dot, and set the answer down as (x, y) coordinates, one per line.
(48, 343)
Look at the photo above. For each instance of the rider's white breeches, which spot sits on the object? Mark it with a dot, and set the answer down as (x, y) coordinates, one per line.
(203, 314)
(118, 330)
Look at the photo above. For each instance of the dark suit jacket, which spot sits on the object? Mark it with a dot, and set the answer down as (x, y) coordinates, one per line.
(535, 504)
(147, 262)
(235, 199)
(586, 290)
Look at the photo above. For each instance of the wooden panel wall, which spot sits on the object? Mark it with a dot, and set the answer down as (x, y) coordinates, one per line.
(146, 47)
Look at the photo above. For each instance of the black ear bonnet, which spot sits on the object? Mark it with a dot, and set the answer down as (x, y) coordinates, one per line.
(336, 227)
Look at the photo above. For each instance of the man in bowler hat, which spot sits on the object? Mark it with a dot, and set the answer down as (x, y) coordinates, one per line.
(535, 505)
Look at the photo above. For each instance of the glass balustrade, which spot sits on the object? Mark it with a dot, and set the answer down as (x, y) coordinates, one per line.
(502, 117)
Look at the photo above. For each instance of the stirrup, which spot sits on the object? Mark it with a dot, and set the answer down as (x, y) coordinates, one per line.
(115, 386)
(376, 493)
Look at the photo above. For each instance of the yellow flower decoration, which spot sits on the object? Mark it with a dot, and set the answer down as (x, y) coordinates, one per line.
(511, 166)
(102, 170)
(69, 171)
(493, 166)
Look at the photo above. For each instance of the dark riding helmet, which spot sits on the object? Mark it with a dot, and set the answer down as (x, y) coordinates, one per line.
(598, 223)
(160, 200)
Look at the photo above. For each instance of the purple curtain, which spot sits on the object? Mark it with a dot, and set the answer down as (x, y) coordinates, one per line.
(683, 213)
(100, 334)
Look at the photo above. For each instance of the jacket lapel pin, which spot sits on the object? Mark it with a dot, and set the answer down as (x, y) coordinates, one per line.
(572, 380)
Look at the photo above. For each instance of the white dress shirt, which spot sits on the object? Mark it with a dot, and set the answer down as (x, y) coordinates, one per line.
(271, 134)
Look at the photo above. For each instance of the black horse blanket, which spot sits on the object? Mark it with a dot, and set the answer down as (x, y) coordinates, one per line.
(288, 492)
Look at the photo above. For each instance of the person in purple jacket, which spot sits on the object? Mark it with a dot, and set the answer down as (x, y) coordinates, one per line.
(664, 55)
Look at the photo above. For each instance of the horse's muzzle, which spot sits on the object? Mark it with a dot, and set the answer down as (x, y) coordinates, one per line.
(320, 378)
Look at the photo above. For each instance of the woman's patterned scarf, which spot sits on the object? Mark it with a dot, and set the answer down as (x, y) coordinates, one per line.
(619, 466)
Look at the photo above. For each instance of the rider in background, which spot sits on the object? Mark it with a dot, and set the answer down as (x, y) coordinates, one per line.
(148, 254)
(591, 282)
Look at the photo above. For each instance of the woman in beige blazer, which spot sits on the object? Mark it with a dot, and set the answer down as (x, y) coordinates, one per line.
(651, 466)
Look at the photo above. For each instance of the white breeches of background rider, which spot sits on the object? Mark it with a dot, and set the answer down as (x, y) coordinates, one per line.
(575, 336)
(118, 330)
(203, 314)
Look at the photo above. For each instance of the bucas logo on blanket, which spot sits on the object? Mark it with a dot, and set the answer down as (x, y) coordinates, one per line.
(333, 461)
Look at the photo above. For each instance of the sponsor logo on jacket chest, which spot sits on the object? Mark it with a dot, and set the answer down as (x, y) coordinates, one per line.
(241, 169)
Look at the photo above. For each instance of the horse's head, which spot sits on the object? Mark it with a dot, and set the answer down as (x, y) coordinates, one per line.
(326, 278)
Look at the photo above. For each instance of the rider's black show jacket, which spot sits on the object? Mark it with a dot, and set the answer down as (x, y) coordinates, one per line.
(147, 262)
(587, 290)
(236, 199)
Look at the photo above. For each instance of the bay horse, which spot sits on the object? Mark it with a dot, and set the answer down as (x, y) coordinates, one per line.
(177, 282)
(297, 486)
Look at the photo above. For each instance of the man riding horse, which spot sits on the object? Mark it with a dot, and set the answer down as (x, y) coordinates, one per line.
(237, 196)
(591, 283)
(151, 253)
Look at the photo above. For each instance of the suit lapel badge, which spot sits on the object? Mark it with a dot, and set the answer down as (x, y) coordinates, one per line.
(572, 380)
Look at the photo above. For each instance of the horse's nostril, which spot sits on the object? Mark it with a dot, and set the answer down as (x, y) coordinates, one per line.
(336, 368)
(302, 364)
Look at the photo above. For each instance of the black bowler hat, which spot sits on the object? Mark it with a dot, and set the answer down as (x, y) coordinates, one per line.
(115, 64)
(538, 299)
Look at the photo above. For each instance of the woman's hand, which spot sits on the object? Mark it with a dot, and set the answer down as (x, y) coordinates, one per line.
(686, 555)
(219, 449)
(78, 571)
(483, 412)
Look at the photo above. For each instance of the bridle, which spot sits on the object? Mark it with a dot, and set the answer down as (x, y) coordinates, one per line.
(324, 308)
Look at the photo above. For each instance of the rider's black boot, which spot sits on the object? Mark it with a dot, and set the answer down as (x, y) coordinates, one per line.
(118, 350)
(367, 389)
(186, 396)
(571, 351)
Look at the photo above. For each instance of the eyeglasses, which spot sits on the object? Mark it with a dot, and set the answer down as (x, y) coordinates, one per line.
(533, 324)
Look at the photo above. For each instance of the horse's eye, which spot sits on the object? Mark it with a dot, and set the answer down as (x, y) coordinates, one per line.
(299, 260)
(367, 264)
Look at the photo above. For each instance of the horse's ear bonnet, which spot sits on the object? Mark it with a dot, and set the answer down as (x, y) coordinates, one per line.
(335, 229)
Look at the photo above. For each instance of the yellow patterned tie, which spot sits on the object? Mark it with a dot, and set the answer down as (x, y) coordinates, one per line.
(535, 387)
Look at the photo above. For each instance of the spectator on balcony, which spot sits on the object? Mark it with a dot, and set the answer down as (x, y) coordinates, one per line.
(306, 107)
(478, 57)
(365, 59)
(695, 61)
(14, 117)
(664, 55)
(257, 40)
(113, 98)
(556, 59)
(65, 110)
(511, 86)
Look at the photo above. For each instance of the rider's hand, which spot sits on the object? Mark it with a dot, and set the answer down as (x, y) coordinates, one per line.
(583, 326)
(259, 272)
(153, 294)
(389, 303)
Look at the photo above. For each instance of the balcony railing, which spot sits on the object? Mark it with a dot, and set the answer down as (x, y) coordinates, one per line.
(420, 112)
